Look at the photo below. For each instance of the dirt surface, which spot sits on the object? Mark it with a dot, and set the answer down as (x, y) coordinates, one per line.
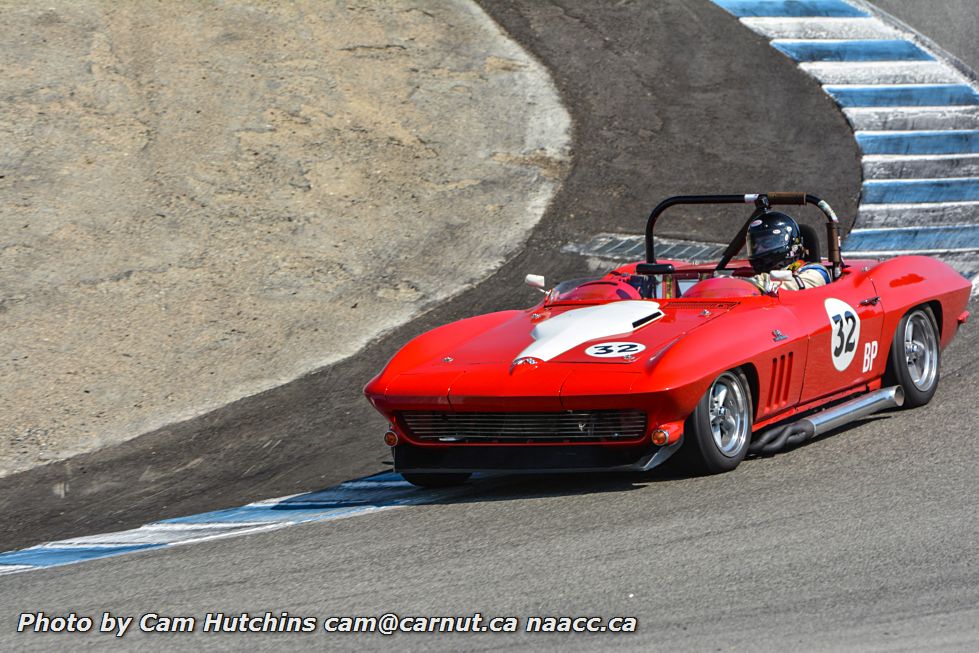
(202, 201)
(738, 118)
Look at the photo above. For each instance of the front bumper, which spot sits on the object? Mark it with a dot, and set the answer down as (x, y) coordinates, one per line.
(536, 459)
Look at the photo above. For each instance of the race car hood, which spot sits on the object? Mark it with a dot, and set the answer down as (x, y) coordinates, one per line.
(544, 357)
(615, 333)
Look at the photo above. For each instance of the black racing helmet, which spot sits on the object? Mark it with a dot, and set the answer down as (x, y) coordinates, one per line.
(774, 241)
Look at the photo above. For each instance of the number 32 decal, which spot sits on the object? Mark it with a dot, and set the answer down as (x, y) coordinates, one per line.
(614, 349)
(844, 332)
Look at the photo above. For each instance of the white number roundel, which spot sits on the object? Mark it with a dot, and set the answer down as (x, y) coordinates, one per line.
(614, 349)
(844, 335)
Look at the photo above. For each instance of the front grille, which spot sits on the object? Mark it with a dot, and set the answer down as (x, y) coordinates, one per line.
(568, 426)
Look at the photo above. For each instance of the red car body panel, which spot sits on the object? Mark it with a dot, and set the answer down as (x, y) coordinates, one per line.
(799, 349)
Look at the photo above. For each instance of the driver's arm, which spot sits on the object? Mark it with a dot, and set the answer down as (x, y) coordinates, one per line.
(763, 281)
(812, 275)
(809, 276)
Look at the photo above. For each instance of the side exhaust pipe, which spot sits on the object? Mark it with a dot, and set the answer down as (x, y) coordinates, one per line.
(868, 404)
(777, 438)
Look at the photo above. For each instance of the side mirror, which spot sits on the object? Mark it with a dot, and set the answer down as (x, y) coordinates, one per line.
(536, 281)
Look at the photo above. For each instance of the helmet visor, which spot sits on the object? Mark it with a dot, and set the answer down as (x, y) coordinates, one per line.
(766, 243)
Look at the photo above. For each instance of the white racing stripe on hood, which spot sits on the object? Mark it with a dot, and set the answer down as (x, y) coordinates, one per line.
(568, 330)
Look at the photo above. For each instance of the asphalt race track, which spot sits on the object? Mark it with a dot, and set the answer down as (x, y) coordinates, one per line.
(864, 539)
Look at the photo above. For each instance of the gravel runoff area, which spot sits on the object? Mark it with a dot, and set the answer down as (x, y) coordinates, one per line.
(203, 201)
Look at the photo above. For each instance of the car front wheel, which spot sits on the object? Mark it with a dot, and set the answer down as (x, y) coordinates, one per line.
(717, 433)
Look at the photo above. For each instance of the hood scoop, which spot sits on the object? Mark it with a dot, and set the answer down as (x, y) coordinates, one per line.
(573, 328)
(700, 306)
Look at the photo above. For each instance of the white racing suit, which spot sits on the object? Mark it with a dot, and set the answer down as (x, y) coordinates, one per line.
(801, 275)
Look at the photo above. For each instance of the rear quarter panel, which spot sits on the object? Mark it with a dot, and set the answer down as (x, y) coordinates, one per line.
(909, 281)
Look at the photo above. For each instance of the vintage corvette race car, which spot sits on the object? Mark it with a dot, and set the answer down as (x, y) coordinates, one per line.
(622, 371)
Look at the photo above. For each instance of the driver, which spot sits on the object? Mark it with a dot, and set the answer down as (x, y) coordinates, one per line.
(776, 253)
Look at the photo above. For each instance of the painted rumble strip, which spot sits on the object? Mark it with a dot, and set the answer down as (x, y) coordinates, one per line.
(917, 239)
(915, 117)
(793, 8)
(851, 50)
(908, 191)
(903, 95)
(632, 247)
(949, 141)
(358, 497)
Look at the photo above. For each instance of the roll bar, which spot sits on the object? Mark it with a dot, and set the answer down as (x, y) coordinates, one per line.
(762, 202)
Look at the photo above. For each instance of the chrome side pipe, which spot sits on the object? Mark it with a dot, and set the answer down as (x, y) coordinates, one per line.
(862, 406)
(777, 438)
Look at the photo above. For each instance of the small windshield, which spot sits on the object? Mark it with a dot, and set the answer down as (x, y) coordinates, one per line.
(566, 287)
(592, 289)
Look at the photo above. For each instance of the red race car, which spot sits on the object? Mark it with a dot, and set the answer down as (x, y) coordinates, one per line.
(655, 358)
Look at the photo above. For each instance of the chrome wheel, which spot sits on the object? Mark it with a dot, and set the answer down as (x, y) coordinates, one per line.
(728, 414)
(921, 350)
(915, 359)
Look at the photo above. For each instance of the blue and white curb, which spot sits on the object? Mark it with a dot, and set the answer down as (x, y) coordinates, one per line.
(915, 116)
(631, 247)
(363, 496)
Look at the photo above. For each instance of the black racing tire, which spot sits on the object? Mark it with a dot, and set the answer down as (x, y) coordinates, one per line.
(436, 480)
(714, 440)
(914, 360)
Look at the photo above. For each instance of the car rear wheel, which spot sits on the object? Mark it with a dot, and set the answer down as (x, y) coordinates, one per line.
(436, 480)
(717, 433)
(915, 357)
